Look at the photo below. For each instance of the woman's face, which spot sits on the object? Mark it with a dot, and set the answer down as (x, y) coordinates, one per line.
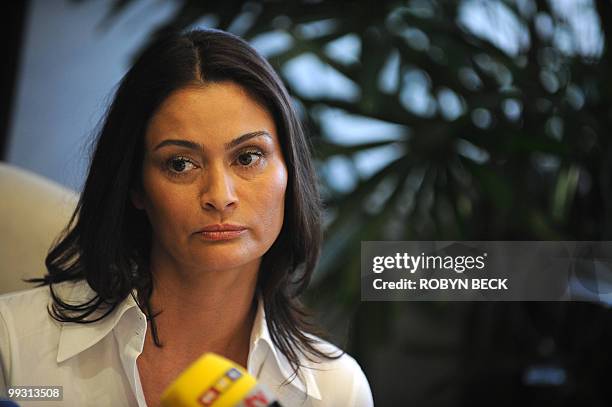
(214, 179)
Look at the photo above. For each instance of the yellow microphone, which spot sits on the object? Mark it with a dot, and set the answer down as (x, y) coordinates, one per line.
(214, 381)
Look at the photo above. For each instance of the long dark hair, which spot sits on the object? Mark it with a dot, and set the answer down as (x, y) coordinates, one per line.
(108, 240)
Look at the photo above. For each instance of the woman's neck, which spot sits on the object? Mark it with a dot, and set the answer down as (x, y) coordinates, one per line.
(202, 310)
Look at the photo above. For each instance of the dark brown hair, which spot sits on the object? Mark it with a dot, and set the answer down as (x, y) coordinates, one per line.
(108, 240)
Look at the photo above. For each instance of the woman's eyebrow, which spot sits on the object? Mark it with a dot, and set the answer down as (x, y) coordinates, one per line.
(182, 143)
(197, 146)
(239, 140)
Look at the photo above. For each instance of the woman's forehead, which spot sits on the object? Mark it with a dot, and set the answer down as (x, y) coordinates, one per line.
(213, 112)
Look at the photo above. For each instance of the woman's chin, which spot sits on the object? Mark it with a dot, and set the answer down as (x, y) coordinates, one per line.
(225, 259)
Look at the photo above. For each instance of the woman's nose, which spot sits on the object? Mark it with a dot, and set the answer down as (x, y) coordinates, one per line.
(218, 192)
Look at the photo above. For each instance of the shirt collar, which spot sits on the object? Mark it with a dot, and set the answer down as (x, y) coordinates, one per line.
(76, 338)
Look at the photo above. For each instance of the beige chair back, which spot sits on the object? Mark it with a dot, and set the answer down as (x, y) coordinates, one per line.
(33, 211)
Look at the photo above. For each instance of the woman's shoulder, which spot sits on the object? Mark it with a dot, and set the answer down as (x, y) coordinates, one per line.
(27, 309)
(27, 330)
(337, 360)
(338, 376)
(25, 300)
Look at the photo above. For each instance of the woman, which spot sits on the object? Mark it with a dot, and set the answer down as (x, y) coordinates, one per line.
(197, 228)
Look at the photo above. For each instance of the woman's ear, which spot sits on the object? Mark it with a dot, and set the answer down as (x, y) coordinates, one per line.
(137, 199)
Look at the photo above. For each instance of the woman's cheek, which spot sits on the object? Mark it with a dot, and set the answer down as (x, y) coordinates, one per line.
(278, 181)
(268, 202)
(277, 195)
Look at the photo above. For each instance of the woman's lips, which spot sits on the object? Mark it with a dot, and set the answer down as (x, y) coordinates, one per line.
(221, 232)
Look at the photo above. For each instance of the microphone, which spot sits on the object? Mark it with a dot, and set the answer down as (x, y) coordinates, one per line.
(214, 381)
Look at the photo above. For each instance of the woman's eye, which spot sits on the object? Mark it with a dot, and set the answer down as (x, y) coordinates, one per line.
(249, 158)
(180, 164)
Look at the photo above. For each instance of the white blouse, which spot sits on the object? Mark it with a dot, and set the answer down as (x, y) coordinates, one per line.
(96, 363)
